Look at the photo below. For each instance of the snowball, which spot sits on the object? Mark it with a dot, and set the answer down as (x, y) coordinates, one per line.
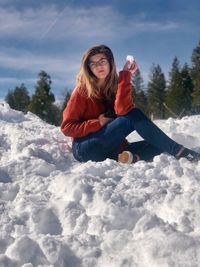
(130, 58)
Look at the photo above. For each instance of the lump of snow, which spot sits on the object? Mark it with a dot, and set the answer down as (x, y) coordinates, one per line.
(10, 115)
(55, 211)
(130, 58)
(25, 250)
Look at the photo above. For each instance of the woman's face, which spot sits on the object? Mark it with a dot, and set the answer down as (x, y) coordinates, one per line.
(99, 66)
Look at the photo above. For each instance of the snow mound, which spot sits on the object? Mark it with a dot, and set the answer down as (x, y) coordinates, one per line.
(9, 115)
(57, 212)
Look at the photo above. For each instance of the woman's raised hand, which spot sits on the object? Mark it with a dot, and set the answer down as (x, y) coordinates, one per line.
(104, 120)
(131, 66)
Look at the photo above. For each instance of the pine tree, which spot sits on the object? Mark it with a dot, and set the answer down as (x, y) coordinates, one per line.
(174, 88)
(195, 73)
(42, 101)
(139, 96)
(180, 88)
(156, 92)
(187, 87)
(18, 98)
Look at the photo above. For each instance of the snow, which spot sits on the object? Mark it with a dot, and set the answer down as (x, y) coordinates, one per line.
(57, 212)
(130, 58)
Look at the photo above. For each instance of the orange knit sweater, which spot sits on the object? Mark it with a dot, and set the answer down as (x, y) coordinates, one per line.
(80, 116)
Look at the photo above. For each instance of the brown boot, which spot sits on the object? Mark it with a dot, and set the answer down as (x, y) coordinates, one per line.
(127, 157)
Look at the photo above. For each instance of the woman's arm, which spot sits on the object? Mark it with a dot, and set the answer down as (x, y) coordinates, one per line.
(124, 100)
(73, 124)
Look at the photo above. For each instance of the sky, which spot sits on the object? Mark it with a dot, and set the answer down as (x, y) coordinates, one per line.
(53, 35)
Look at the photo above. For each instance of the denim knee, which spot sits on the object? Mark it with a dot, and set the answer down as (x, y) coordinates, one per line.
(75, 151)
(88, 151)
(137, 114)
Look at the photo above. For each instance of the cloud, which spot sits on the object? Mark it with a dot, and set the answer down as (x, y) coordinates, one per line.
(78, 23)
(13, 81)
(23, 60)
(26, 64)
(148, 26)
(26, 23)
(9, 83)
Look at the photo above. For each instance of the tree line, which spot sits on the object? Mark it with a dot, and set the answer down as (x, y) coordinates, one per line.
(41, 103)
(159, 99)
(177, 97)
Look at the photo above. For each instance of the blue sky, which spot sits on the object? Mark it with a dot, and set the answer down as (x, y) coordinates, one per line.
(53, 35)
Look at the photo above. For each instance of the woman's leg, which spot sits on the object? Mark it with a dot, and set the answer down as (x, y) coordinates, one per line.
(151, 133)
(100, 145)
(144, 150)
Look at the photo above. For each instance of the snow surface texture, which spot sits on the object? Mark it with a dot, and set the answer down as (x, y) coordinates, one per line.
(57, 212)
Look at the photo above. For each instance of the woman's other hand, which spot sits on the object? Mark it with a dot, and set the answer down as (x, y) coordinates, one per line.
(131, 66)
(104, 120)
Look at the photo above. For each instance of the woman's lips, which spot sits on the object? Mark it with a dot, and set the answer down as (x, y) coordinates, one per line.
(101, 71)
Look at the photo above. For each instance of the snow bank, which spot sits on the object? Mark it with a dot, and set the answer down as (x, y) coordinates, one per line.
(57, 212)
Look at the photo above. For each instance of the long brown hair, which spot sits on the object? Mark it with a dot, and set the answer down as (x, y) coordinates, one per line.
(87, 81)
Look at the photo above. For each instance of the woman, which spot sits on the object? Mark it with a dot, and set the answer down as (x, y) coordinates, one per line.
(101, 113)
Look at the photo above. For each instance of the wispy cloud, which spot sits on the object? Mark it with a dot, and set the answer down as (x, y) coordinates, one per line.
(50, 22)
(23, 60)
(150, 26)
(13, 82)
(26, 23)
(27, 64)
(16, 81)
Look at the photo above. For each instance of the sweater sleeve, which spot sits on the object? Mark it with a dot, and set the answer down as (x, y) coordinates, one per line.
(124, 101)
(72, 124)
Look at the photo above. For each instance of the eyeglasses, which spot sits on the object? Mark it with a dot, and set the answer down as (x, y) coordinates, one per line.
(101, 62)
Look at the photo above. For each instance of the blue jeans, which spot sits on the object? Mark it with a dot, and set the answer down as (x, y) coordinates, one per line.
(103, 144)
